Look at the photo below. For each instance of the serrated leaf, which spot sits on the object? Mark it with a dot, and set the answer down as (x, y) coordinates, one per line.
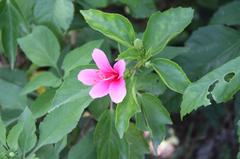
(27, 138)
(44, 79)
(156, 116)
(41, 47)
(2, 133)
(171, 74)
(13, 136)
(162, 27)
(84, 149)
(227, 14)
(80, 56)
(9, 24)
(220, 85)
(112, 25)
(56, 13)
(126, 109)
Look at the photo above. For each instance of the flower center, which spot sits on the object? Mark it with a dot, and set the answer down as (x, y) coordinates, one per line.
(107, 75)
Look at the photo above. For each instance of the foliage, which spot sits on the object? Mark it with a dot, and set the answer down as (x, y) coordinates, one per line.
(177, 61)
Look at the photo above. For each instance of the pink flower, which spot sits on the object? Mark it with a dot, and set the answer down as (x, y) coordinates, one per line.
(106, 80)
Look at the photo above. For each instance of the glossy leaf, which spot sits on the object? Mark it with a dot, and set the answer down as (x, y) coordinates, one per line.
(41, 47)
(27, 138)
(80, 56)
(84, 149)
(156, 116)
(171, 74)
(220, 85)
(162, 27)
(44, 79)
(13, 136)
(129, 54)
(227, 14)
(126, 109)
(112, 25)
(57, 13)
(9, 24)
(2, 133)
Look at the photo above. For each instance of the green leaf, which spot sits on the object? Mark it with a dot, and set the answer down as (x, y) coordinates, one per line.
(84, 149)
(129, 54)
(138, 145)
(227, 14)
(106, 137)
(2, 133)
(57, 13)
(162, 27)
(156, 116)
(98, 106)
(171, 52)
(10, 98)
(171, 74)
(17, 77)
(43, 103)
(13, 136)
(80, 56)
(72, 90)
(41, 46)
(48, 152)
(140, 8)
(9, 24)
(112, 25)
(26, 7)
(93, 3)
(27, 138)
(151, 84)
(219, 85)
(209, 47)
(126, 109)
(64, 119)
(60, 145)
(44, 79)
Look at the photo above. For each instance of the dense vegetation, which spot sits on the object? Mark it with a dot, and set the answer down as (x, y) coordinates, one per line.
(182, 79)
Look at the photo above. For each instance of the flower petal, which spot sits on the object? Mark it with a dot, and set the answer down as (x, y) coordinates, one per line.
(100, 89)
(88, 76)
(119, 67)
(117, 90)
(101, 60)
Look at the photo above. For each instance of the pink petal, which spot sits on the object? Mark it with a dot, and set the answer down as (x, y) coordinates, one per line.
(101, 60)
(100, 89)
(117, 90)
(88, 76)
(119, 67)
